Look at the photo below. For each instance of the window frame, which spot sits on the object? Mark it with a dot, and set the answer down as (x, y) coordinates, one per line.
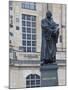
(17, 27)
(29, 5)
(27, 33)
(33, 81)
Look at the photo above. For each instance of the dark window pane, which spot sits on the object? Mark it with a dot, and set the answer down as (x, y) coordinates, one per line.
(37, 81)
(17, 27)
(11, 25)
(28, 30)
(28, 17)
(33, 49)
(23, 29)
(32, 82)
(28, 49)
(28, 36)
(24, 36)
(32, 76)
(33, 18)
(17, 19)
(28, 77)
(37, 77)
(26, 5)
(24, 42)
(23, 16)
(23, 23)
(33, 43)
(33, 37)
(11, 33)
(33, 24)
(10, 50)
(28, 82)
(28, 43)
(33, 30)
(34, 6)
(28, 23)
(14, 55)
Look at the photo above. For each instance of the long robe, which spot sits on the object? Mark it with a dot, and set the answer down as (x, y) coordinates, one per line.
(50, 34)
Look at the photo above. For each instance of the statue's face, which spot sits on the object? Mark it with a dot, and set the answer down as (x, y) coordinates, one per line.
(48, 14)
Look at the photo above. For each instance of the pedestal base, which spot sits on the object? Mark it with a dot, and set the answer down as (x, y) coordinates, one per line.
(49, 75)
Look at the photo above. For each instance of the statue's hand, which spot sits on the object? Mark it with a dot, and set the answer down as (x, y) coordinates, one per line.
(57, 30)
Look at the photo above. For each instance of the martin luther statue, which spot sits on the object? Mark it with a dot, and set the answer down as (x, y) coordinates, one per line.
(50, 32)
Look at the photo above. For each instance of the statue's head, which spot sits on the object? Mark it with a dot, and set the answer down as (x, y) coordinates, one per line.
(48, 14)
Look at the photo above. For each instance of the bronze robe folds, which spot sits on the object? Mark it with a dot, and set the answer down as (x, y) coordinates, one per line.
(50, 32)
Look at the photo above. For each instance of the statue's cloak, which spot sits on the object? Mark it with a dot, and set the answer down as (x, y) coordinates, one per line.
(49, 40)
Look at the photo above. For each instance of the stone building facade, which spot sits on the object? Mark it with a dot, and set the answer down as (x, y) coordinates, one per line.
(25, 37)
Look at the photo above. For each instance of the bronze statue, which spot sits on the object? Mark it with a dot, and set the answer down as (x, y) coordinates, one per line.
(50, 32)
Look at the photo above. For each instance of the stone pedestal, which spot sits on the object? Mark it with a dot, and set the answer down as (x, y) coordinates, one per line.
(49, 75)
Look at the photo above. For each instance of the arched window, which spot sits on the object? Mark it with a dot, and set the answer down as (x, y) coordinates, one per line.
(32, 80)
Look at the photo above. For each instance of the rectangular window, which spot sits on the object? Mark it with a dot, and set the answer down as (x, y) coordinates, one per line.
(33, 18)
(28, 49)
(28, 23)
(17, 27)
(29, 5)
(28, 30)
(10, 25)
(33, 30)
(23, 36)
(11, 21)
(17, 19)
(10, 33)
(24, 42)
(24, 29)
(33, 43)
(28, 36)
(33, 24)
(28, 43)
(33, 49)
(29, 33)
(33, 37)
